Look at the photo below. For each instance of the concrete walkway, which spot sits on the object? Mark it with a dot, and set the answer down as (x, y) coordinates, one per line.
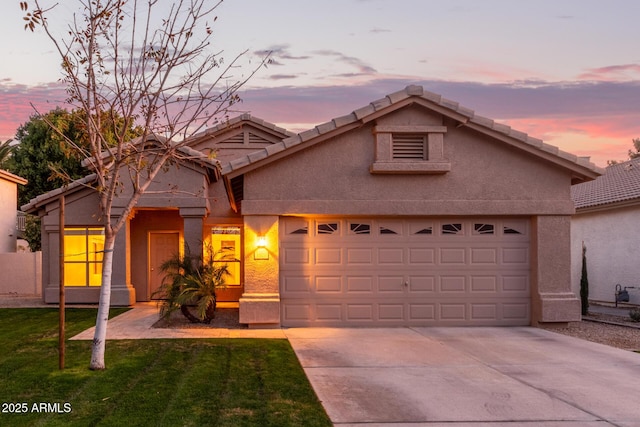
(136, 324)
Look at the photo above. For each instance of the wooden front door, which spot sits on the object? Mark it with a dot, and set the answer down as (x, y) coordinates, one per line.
(162, 246)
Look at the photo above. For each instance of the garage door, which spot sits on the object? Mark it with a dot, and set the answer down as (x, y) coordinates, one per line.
(384, 272)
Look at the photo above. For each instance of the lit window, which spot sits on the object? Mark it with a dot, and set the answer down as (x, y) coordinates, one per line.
(226, 247)
(83, 250)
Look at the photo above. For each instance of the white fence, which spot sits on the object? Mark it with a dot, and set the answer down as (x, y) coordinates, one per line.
(21, 273)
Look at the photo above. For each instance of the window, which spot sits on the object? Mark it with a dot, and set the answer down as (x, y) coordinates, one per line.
(303, 230)
(483, 228)
(509, 230)
(356, 228)
(226, 246)
(327, 228)
(427, 230)
(451, 228)
(385, 230)
(83, 250)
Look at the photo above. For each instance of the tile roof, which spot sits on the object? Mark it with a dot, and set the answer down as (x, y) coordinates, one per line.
(620, 183)
(445, 106)
(187, 154)
(43, 199)
(239, 120)
(8, 176)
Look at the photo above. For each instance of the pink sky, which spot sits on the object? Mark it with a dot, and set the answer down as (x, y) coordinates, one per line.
(566, 72)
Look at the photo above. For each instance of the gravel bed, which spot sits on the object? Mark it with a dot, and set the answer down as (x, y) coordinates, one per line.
(227, 318)
(624, 337)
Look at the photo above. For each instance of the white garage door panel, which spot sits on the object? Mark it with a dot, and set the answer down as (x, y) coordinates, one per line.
(412, 272)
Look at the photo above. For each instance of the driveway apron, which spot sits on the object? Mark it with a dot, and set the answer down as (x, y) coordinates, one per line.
(468, 377)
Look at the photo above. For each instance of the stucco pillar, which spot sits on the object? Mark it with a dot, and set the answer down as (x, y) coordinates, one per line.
(193, 220)
(122, 291)
(551, 296)
(260, 302)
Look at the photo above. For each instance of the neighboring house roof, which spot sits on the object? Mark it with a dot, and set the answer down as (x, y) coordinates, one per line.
(47, 197)
(581, 168)
(8, 176)
(620, 184)
(238, 122)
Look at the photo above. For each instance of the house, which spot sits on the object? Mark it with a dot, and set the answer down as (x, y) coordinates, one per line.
(412, 210)
(8, 212)
(606, 220)
(21, 271)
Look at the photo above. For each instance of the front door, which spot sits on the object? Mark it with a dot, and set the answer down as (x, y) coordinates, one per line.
(226, 242)
(162, 246)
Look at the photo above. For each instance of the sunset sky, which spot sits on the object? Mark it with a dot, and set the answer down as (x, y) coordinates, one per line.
(565, 71)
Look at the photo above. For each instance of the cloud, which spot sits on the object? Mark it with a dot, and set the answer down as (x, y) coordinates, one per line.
(17, 103)
(282, 76)
(612, 73)
(280, 52)
(597, 118)
(586, 118)
(379, 30)
(360, 65)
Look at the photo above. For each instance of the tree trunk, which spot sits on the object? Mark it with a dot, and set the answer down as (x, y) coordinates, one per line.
(100, 336)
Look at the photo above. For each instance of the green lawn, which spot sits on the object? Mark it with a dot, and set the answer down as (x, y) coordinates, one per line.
(222, 382)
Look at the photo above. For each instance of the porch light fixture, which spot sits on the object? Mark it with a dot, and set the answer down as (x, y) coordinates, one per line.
(261, 252)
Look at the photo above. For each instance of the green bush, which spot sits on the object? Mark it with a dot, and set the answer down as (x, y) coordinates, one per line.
(634, 313)
(191, 280)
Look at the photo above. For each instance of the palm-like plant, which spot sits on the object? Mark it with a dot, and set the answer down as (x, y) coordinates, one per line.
(191, 281)
(5, 150)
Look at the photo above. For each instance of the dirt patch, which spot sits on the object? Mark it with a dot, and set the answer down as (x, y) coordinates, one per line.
(227, 318)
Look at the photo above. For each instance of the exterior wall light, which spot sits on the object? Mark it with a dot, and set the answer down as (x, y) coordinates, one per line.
(261, 252)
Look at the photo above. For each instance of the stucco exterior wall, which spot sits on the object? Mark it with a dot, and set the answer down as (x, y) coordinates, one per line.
(613, 253)
(21, 273)
(8, 215)
(486, 178)
(260, 302)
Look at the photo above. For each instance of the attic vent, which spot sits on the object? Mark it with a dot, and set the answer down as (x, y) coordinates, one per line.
(256, 139)
(409, 147)
(236, 139)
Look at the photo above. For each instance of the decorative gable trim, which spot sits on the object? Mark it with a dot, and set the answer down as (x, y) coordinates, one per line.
(581, 169)
(409, 150)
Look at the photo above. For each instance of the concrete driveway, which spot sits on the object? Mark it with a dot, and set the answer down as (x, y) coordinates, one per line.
(468, 377)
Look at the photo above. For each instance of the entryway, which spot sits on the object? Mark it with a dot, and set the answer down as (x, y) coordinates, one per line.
(162, 246)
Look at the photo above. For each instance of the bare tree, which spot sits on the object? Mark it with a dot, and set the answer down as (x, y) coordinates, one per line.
(147, 63)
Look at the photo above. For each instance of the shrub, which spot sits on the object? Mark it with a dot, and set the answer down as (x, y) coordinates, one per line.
(191, 281)
(634, 314)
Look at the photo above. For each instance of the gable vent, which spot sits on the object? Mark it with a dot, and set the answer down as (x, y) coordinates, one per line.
(411, 147)
(256, 139)
(236, 139)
